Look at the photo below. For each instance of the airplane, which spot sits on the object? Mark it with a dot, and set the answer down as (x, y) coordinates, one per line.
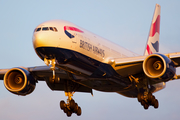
(80, 61)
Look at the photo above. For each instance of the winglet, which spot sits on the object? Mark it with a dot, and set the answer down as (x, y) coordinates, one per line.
(153, 38)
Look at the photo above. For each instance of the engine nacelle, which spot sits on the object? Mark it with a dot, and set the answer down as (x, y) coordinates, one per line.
(19, 81)
(159, 67)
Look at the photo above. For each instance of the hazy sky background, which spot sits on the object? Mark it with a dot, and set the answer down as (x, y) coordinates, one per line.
(125, 22)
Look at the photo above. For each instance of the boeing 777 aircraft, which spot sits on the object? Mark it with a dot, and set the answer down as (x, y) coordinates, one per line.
(79, 61)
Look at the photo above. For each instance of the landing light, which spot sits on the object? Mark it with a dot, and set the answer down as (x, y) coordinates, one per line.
(112, 60)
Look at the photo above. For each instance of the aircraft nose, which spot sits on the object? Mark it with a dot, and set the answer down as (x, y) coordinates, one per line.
(39, 40)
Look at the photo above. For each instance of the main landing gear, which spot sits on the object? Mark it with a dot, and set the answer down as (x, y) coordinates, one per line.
(71, 106)
(147, 99)
(144, 96)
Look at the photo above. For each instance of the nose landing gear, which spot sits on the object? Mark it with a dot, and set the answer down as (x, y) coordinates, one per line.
(71, 106)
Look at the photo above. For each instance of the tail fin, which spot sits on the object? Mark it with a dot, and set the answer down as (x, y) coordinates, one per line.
(153, 38)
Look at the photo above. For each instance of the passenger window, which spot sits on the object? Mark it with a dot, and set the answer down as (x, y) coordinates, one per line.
(51, 28)
(55, 29)
(45, 28)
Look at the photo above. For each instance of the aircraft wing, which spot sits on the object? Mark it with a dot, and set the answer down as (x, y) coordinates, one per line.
(134, 65)
(129, 66)
(2, 73)
(43, 73)
(39, 72)
(175, 57)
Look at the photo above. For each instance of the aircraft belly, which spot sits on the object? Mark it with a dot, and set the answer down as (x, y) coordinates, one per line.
(85, 70)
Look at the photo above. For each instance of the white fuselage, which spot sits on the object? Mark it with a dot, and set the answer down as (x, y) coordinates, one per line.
(83, 42)
(88, 57)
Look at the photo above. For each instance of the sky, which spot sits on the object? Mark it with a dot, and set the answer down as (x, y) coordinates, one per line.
(124, 22)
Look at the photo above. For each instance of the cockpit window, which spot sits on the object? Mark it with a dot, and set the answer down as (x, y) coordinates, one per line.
(51, 28)
(38, 29)
(55, 29)
(46, 29)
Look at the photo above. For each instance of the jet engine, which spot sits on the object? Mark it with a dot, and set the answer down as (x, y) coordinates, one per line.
(159, 67)
(19, 81)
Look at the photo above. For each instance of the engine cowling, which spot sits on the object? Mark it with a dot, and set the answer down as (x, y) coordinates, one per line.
(159, 67)
(19, 81)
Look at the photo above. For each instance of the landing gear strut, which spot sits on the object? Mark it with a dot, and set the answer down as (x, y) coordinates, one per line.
(51, 62)
(71, 106)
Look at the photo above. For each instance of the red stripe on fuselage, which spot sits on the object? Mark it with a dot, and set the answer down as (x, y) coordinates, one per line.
(155, 27)
(72, 29)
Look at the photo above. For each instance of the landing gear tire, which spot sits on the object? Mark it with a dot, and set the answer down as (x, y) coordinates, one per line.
(65, 110)
(76, 108)
(79, 111)
(146, 106)
(69, 113)
(143, 102)
(156, 104)
(150, 96)
(72, 104)
(62, 105)
(153, 100)
(140, 97)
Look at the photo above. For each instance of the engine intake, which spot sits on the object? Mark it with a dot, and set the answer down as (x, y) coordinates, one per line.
(159, 67)
(19, 81)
